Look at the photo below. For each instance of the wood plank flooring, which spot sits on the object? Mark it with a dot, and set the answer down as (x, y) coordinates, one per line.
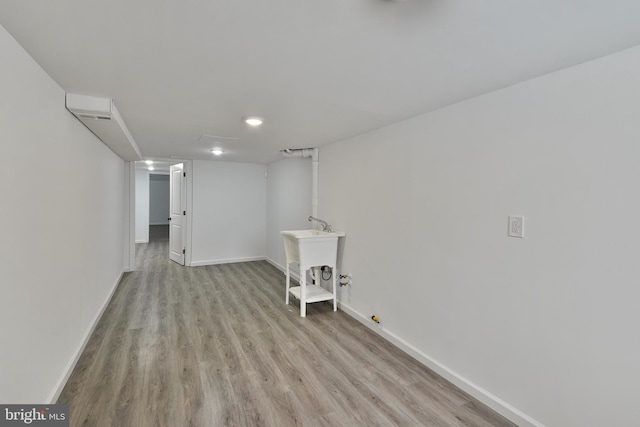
(158, 232)
(217, 346)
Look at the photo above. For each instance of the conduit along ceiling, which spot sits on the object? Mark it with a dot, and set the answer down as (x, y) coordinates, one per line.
(318, 72)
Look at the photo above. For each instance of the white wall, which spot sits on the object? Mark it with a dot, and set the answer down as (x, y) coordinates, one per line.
(158, 199)
(61, 252)
(548, 323)
(288, 203)
(142, 206)
(229, 212)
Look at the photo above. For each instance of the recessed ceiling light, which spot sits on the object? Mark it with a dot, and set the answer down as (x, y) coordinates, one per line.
(253, 121)
(151, 168)
(217, 151)
(149, 162)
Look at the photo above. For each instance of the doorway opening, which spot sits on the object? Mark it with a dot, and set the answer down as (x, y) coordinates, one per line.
(153, 213)
(158, 207)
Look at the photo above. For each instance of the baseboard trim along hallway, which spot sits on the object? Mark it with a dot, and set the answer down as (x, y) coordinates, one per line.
(217, 346)
(492, 401)
(57, 391)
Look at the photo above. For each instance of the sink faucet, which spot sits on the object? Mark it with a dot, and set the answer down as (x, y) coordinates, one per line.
(325, 225)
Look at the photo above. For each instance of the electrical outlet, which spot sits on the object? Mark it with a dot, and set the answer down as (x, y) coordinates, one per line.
(516, 226)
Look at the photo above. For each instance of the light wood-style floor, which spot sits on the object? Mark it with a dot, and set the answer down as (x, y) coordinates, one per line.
(158, 232)
(217, 346)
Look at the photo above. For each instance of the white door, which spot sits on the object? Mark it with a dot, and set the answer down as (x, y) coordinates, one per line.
(177, 212)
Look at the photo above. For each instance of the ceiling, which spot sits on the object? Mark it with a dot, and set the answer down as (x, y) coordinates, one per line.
(317, 71)
(157, 167)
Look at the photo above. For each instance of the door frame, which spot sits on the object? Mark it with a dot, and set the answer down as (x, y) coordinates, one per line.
(129, 232)
(129, 224)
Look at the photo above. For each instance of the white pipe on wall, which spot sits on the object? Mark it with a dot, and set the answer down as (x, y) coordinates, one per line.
(313, 153)
(314, 183)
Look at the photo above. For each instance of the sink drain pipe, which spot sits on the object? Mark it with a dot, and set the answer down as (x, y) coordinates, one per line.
(313, 153)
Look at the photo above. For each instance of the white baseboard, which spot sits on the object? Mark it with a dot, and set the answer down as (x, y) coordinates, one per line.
(275, 264)
(225, 261)
(494, 402)
(294, 274)
(57, 391)
(142, 241)
(458, 380)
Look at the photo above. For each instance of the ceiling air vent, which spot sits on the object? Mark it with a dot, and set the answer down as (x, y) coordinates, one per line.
(101, 117)
(92, 116)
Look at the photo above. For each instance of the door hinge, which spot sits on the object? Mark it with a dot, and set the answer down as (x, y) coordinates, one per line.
(184, 174)
(183, 252)
(184, 212)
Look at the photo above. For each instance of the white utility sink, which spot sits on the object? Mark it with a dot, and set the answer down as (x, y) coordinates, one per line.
(311, 248)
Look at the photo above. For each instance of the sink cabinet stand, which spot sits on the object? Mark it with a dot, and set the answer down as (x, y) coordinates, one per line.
(314, 251)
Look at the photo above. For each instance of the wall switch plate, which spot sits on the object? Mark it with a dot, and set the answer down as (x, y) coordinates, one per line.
(516, 226)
